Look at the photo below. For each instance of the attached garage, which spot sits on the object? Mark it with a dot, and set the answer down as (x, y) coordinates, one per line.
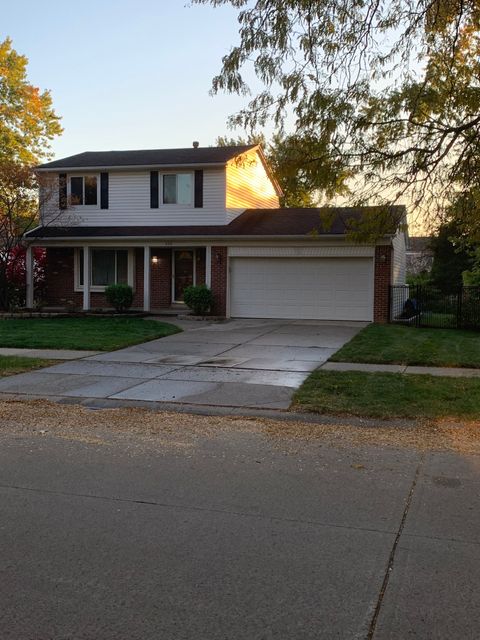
(320, 288)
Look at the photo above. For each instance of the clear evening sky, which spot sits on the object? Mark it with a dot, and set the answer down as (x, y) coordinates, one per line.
(126, 74)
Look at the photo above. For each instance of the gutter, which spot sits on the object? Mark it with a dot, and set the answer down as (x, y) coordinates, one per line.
(215, 238)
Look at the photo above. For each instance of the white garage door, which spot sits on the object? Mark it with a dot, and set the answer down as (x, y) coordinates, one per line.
(305, 288)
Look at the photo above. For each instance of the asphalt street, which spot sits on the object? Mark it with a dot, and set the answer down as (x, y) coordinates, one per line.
(235, 536)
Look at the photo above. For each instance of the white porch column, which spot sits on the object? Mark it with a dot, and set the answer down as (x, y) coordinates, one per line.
(86, 278)
(208, 266)
(146, 278)
(29, 277)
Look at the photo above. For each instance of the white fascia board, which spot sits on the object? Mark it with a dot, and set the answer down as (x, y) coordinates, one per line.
(175, 241)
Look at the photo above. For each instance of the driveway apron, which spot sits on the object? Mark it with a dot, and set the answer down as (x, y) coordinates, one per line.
(239, 363)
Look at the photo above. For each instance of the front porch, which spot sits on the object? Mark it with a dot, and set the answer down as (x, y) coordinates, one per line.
(77, 275)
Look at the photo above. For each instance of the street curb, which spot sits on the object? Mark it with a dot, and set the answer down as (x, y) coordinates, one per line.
(205, 410)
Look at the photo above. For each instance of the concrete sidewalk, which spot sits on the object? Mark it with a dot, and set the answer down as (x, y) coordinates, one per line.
(48, 354)
(452, 372)
(72, 354)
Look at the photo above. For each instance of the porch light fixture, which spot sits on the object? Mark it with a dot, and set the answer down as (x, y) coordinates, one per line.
(154, 259)
(218, 257)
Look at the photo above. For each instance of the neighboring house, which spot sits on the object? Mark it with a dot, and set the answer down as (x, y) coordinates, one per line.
(419, 255)
(165, 219)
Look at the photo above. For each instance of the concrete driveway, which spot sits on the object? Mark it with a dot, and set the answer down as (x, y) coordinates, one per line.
(240, 363)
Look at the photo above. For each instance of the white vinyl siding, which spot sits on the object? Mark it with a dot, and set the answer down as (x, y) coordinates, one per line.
(303, 288)
(399, 259)
(129, 204)
(248, 185)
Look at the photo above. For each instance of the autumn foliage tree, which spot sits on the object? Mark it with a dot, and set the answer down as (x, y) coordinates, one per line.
(384, 93)
(28, 123)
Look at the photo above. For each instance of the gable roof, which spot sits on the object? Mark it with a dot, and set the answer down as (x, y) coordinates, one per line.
(148, 158)
(252, 222)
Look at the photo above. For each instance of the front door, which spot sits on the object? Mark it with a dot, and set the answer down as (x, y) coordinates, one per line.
(183, 272)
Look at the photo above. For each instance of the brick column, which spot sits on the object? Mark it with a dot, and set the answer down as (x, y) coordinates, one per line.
(383, 277)
(161, 280)
(219, 280)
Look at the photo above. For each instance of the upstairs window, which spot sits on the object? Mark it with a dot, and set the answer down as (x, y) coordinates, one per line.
(84, 190)
(177, 188)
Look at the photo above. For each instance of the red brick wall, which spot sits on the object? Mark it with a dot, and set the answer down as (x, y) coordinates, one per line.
(219, 280)
(161, 279)
(60, 281)
(59, 277)
(383, 276)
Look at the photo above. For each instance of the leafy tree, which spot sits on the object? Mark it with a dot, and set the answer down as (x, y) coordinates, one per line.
(28, 122)
(16, 275)
(471, 278)
(422, 278)
(18, 214)
(450, 258)
(27, 125)
(296, 176)
(386, 93)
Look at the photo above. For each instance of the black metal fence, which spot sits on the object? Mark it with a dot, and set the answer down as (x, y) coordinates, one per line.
(423, 306)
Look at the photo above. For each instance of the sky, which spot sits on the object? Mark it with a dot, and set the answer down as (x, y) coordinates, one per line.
(126, 74)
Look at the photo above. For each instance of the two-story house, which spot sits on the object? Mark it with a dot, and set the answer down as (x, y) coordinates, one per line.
(161, 220)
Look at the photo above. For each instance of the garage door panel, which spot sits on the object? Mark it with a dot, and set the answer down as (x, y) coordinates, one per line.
(305, 288)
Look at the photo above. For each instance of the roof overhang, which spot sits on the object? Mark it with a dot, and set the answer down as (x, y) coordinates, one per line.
(209, 239)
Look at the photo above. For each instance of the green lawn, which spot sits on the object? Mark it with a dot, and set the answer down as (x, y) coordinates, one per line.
(388, 395)
(98, 334)
(395, 344)
(10, 365)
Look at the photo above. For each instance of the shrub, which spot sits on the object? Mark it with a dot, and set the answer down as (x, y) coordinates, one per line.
(422, 279)
(119, 296)
(198, 298)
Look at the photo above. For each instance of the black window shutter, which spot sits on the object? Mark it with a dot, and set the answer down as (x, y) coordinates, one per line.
(104, 191)
(153, 189)
(198, 188)
(62, 190)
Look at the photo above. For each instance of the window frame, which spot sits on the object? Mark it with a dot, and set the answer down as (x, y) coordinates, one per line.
(83, 176)
(78, 266)
(176, 204)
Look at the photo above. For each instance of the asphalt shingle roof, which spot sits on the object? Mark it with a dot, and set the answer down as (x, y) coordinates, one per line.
(252, 222)
(148, 157)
